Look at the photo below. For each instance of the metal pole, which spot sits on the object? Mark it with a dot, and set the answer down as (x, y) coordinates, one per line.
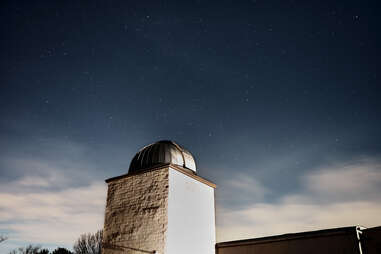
(358, 234)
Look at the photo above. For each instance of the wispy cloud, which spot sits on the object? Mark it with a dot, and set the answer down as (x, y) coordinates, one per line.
(52, 217)
(343, 195)
(241, 190)
(49, 196)
(356, 180)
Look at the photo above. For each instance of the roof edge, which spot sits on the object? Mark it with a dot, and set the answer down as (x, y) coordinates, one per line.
(289, 236)
(185, 171)
(193, 175)
(160, 166)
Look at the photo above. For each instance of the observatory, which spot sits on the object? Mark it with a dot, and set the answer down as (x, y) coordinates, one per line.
(161, 205)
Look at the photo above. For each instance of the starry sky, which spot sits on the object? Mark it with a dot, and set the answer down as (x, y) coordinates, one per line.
(278, 101)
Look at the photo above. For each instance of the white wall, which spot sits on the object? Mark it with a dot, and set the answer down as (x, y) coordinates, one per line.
(191, 221)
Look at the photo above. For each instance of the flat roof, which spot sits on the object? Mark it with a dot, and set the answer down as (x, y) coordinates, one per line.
(290, 236)
(185, 171)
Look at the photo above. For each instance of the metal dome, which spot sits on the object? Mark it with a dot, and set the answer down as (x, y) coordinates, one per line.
(162, 152)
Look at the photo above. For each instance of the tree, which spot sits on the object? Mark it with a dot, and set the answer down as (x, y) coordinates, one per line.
(89, 243)
(61, 251)
(30, 249)
(3, 238)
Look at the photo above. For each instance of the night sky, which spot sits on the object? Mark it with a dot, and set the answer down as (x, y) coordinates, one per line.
(278, 101)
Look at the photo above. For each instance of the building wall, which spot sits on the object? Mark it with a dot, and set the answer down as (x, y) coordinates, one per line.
(328, 243)
(371, 243)
(191, 219)
(136, 212)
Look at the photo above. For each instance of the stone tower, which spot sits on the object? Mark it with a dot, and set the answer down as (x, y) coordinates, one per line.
(160, 206)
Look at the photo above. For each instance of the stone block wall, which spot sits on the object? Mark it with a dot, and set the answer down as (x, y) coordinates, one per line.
(136, 212)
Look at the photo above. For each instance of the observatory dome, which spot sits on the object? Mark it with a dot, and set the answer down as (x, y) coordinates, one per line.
(162, 152)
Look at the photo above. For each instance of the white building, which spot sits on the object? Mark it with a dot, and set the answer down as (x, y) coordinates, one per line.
(161, 205)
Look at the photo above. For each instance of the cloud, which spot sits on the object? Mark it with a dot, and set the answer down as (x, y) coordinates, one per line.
(248, 185)
(51, 217)
(356, 180)
(271, 219)
(240, 190)
(343, 195)
(50, 192)
(32, 181)
(61, 159)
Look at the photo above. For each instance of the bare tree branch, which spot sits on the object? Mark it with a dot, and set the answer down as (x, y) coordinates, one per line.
(3, 238)
(30, 249)
(89, 243)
